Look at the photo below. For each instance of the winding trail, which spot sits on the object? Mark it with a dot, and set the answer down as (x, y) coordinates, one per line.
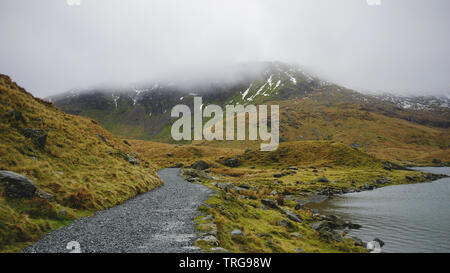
(157, 221)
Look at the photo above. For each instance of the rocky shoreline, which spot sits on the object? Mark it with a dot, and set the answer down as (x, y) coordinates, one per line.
(331, 228)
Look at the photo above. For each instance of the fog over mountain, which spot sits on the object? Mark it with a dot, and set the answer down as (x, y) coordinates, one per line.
(400, 46)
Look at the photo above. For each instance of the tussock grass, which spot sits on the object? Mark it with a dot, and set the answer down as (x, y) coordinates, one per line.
(83, 172)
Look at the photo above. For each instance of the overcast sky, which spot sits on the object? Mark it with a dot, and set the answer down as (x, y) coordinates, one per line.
(49, 46)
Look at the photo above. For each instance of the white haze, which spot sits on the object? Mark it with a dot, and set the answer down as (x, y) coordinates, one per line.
(50, 47)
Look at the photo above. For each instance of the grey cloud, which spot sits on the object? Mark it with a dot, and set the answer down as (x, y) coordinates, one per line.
(50, 47)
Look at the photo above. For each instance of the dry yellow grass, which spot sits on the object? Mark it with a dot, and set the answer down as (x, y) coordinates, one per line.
(185, 154)
(83, 172)
(385, 137)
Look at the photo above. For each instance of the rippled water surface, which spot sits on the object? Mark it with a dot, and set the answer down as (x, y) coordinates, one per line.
(409, 218)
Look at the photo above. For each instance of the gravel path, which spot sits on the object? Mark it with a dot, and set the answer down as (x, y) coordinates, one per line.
(157, 221)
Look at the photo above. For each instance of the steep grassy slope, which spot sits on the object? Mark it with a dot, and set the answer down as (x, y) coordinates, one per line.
(83, 166)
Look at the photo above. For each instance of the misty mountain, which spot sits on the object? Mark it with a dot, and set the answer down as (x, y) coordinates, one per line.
(143, 112)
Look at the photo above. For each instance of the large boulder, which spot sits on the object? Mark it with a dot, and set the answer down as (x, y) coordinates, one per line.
(16, 185)
(38, 137)
(200, 165)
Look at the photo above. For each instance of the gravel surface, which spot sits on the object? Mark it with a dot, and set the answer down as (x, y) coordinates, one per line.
(157, 221)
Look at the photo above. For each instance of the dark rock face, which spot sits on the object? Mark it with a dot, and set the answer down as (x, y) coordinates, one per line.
(16, 185)
(200, 165)
(232, 162)
(38, 137)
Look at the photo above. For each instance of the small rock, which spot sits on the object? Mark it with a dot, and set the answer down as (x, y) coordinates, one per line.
(210, 239)
(381, 242)
(207, 218)
(355, 145)
(219, 250)
(351, 225)
(63, 213)
(200, 165)
(245, 186)
(45, 195)
(131, 159)
(269, 203)
(375, 245)
(169, 154)
(324, 180)
(317, 225)
(232, 162)
(286, 223)
(274, 192)
(193, 179)
(102, 138)
(126, 142)
(299, 250)
(296, 235)
(292, 215)
(238, 233)
(278, 175)
(38, 137)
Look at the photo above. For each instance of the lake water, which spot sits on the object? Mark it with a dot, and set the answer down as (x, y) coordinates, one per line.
(408, 218)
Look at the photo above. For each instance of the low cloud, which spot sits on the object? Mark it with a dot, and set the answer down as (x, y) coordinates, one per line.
(51, 46)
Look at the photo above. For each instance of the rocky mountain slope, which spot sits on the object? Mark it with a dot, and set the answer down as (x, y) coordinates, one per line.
(311, 109)
(49, 167)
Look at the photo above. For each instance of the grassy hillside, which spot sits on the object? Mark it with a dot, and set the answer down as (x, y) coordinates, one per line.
(83, 166)
(289, 177)
(389, 138)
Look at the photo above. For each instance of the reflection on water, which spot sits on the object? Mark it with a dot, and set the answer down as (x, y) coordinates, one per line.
(409, 218)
